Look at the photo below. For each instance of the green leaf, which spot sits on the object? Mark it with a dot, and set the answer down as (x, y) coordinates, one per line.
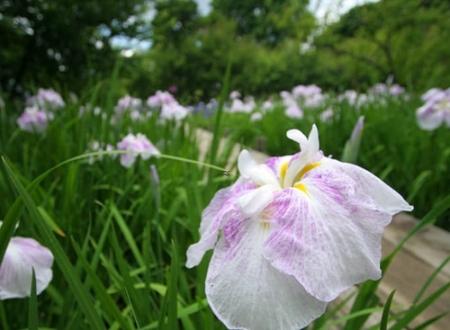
(386, 311)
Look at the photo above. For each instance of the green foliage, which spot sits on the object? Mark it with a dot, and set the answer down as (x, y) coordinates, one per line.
(62, 42)
(405, 40)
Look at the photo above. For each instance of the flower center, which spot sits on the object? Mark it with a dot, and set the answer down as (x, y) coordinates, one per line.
(300, 174)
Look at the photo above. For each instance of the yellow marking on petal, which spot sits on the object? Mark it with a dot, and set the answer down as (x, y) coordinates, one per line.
(265, 225)
(301, 186)
(305, 169)
(283, 171)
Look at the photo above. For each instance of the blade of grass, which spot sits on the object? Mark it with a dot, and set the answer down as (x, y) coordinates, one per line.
(430, 280)
(429, 322)
(414, 311)
(386, 311)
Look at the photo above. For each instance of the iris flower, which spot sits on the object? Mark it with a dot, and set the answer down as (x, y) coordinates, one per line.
(34, 120)
(136, 145)
(22, 256)
(290, 235)
(436, 110)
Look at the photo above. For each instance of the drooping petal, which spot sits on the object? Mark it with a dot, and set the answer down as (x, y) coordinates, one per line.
(329, 235)
(246, 292)
(260, 174)
(21, 257)
(223, 208)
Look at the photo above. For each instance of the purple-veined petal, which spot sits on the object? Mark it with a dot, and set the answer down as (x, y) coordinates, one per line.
(384, 197)
(329, 236)
(21, 257)
(246, 292)
(221, 210)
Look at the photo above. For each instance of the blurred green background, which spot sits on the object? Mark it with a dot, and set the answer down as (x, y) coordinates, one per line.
(186, 45)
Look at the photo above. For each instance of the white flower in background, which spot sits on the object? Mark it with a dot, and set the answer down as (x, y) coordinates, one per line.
(256, 116)
(174, 111)
(34, 120)
(309, 95)
(136, 145)
(46, 99)
(292, 109)
(235, 95)
(267, 105)
(436, 110)
(326, 115)
(22, 256)
(246, 106)
(290, 235)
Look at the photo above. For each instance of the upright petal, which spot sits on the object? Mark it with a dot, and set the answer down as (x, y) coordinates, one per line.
(246, 292)
(21, 257)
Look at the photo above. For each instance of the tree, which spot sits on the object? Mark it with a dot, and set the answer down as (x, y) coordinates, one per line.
(270, 21)
(62, 42)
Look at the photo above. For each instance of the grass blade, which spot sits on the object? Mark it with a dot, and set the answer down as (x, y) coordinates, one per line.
(414, 311)
(386, 311)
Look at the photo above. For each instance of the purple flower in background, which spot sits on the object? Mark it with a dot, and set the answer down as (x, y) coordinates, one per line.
(128, 103)
(436, 110)
(34, 120)
(173, 89)
(22, 256)
(396, 90)
(159, 99)
(382, 89)
(136, 145)
(46, 99)
(434, 93)
(290, 235)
